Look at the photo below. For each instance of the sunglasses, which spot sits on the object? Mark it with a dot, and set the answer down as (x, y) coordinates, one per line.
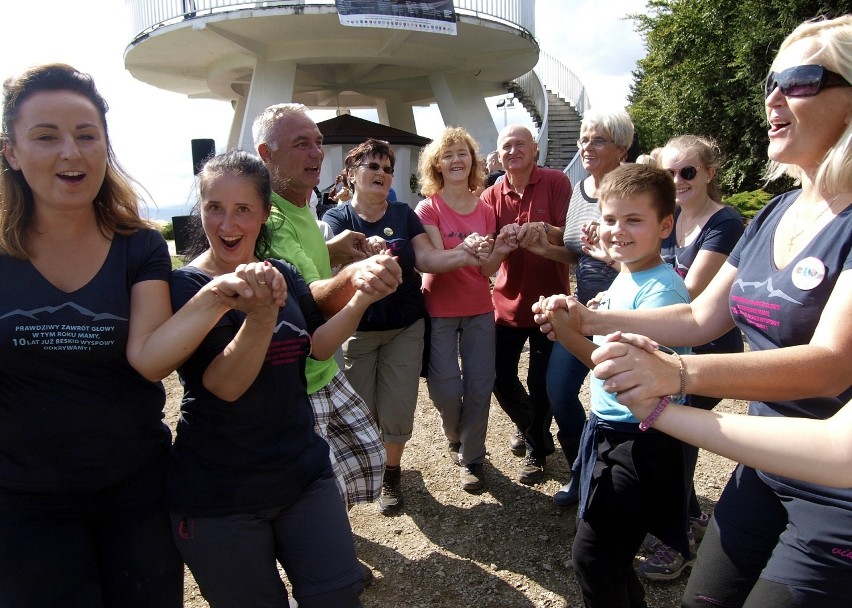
(377, 167)
(687, 173)
(803, 81)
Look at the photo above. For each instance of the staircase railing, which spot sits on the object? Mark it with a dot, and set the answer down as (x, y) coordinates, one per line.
(534, 99)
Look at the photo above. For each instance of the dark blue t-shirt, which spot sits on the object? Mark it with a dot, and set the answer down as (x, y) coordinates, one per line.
(779, 308)
(397, 227)
(720, 234)
(74, 415)
(261, 450)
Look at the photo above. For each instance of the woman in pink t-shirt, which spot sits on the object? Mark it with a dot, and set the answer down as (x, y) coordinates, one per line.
(459, 302)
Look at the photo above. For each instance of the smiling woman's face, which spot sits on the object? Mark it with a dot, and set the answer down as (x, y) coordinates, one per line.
(60, 146)
(375, 182)
(232, 213)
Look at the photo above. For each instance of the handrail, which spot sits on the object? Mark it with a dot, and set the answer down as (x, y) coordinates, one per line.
(536, 95)
(148, 15)
(575, 171)
(562, 81)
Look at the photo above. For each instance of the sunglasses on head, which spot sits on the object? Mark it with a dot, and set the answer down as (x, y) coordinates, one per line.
(377, 167)
(687, 173)
(803, 81)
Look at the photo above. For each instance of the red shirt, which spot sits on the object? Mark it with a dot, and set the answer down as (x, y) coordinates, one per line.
(523, 275)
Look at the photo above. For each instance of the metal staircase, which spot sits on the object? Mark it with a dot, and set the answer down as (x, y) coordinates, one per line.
(556, 100)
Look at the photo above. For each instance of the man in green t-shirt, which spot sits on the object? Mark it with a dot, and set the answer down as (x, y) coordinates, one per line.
(290, 145)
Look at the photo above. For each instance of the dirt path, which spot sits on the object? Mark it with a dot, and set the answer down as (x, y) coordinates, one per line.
(507, 547)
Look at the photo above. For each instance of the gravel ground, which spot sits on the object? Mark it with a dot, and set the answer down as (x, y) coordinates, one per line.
(506, 547)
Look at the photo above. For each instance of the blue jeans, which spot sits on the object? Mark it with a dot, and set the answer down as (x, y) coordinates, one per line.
(529, 411)
(565, 377)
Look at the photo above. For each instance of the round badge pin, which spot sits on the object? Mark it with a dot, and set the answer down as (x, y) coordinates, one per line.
(808, 273)
(388, 232)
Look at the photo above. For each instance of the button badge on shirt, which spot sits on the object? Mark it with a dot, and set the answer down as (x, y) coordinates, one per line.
(808, 273)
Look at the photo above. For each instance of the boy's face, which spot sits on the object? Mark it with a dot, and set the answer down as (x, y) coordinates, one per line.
(631, 231)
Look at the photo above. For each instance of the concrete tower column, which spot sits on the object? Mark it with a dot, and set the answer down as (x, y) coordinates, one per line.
(462, 104)
(394, 113)
(271, 83)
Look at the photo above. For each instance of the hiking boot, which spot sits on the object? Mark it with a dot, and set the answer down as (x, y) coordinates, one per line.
(391, 501)
(567, 495)
(518, 443)
(453, 449)
(472, 477)
(698, 525)
(651, 544)
(668, 564)
(531, 470)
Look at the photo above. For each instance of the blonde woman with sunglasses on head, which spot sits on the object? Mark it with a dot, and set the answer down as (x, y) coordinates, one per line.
(773, 541)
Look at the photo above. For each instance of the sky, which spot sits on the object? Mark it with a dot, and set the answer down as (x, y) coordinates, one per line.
(151, 129)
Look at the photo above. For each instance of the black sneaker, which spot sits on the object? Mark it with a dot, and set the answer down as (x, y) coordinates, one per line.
(472, 477)
(567, 495)
(531, 470)
(517, 443)
(390, 501)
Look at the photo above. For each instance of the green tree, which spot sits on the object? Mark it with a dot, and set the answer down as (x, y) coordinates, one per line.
(704, 73)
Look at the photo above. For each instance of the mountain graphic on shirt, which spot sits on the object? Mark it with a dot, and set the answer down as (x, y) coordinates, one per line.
(771, 291)
(33, 314)
(299, 331)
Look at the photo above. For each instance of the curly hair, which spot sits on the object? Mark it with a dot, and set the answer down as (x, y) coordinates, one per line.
(430, 178)
(116, 203)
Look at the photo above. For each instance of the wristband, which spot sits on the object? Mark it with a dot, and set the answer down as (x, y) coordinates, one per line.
(610, 263)
(650, 420)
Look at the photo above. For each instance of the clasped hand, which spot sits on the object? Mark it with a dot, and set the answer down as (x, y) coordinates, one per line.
(251, 288)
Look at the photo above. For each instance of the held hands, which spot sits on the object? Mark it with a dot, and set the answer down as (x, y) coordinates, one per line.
(347, 247)
(553, 311)
(252, 288)
(478, 246)
(533, 236)
(631, 366)
(543, 314)
(375, 245)
(377, 276)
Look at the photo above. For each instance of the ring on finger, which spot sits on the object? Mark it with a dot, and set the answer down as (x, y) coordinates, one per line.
(261, 282)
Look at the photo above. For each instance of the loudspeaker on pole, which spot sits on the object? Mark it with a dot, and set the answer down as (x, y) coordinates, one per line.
(202, 151)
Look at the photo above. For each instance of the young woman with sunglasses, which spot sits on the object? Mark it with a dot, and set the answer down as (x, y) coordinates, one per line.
(384, 357)
(773, 541)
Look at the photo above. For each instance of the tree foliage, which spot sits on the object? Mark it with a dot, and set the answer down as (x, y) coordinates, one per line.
(704, 71)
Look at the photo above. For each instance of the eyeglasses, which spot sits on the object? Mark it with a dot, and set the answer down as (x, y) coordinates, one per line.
(377, 167)
(803, 81)
(687, 173)
(596, 143)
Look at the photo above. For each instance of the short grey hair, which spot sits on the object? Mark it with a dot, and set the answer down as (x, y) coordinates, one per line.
(616, 123)
(264, 124)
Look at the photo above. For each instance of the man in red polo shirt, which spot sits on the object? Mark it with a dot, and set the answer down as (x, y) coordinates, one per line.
(530, 204)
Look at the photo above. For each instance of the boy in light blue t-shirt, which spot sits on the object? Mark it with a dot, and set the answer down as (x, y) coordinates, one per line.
(632, 482)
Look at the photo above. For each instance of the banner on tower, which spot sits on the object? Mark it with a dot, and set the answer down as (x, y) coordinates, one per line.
(431, 17)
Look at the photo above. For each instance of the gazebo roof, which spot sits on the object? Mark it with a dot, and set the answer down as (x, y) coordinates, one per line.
(348, 129)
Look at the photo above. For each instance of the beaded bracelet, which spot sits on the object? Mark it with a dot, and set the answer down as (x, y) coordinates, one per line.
(682, 397)
(650, 420)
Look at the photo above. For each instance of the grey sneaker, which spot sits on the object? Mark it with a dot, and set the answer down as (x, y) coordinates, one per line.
(531, 470)
(472, 477)
(391, 500)
(698, 525)
(667, 564)
(453, 449)
(518, 443)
